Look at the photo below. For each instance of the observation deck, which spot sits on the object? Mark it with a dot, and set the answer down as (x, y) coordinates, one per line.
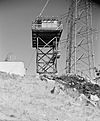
(46, 29)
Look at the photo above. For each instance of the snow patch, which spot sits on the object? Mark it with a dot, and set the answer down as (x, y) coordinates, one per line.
(13, 68)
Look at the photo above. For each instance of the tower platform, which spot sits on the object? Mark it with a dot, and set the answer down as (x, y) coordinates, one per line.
(45, 37)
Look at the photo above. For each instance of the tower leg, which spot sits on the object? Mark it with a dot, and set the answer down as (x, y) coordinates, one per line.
(46, 57)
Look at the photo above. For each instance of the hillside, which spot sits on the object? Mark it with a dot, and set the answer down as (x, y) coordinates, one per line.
(32, 98)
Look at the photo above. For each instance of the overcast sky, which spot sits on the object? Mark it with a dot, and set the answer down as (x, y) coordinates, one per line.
(15, 26)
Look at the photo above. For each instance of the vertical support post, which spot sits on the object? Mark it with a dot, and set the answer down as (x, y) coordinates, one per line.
(75, 46)
(70, 40)
(92, 44)
(87, 37)
(56, 55)
(37, 55)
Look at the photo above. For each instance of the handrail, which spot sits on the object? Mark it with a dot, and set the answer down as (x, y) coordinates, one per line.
(47, 26)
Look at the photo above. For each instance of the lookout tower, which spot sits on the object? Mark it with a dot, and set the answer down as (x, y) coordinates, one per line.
(46, 33)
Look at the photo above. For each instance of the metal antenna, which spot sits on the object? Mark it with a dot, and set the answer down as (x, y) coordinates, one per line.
(79, 50)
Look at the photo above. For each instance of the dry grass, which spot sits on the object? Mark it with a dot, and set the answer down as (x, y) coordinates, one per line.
(30, 99)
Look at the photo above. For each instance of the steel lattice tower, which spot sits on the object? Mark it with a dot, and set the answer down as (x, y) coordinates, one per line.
(79, 53)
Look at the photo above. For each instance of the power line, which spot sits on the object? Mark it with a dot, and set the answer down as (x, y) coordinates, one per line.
(44, 7)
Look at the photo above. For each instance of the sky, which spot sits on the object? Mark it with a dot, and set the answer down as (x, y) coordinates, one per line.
(15, 27)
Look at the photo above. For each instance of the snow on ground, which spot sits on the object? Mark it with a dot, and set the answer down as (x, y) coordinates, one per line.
(30, 99)
(13, 67)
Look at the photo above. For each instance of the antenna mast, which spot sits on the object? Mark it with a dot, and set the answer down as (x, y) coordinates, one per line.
(79, 53)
